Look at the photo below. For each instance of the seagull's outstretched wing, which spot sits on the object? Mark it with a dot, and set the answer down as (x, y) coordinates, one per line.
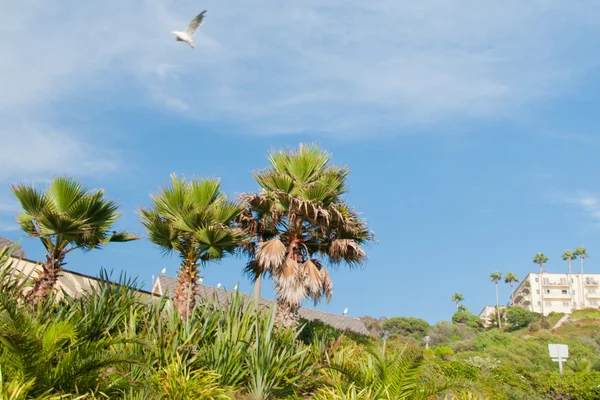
(191, 29)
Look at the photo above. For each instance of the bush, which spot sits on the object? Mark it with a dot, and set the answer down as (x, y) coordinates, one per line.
(445, 333)
(406, 326)
(540, 324)
(464, 317)
(520, 317)
(443, 352)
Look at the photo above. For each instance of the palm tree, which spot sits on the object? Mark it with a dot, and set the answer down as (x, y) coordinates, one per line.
(195, 220)
(511, 279)
(568, 256)
(304, 222)
(457, 298)
(65, 217)
(495, 277)
(541, 259)
(581, 252)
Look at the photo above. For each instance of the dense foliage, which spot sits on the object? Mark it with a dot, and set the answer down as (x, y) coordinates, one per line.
(116, 342)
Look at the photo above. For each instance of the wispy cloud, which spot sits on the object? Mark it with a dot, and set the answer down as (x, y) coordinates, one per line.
(37, 152)
(586, 203)
(310, 66)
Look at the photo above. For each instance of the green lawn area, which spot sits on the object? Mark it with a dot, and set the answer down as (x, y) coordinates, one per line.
(554, 318)
(587, 313)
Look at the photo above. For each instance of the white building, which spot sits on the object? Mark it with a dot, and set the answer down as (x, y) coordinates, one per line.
(561, 293)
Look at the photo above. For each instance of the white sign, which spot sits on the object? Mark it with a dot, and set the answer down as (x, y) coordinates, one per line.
(558, 350)
(559, 353)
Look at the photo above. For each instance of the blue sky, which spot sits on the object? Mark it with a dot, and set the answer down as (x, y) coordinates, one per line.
(470, 128)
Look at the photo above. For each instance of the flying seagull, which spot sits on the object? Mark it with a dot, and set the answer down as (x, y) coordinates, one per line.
(163, 271)
(190, 31)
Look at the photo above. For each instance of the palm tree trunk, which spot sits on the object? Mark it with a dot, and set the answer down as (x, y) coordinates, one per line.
(512, 294)
(46, 279)
(571, 286)
(498, 306)
(286, 315)
(187, 290)
(456, 305)
(541, 289)
(582, 284)
(257, 286)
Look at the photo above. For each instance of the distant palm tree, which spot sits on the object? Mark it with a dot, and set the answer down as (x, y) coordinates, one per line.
(457, 298)
(568, 256)
(541, 259)
(495, 277)
(66, 217)
(196, 220)
(581, 252)
(511, 279)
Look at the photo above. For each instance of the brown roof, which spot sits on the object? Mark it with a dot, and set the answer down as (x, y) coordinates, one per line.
(337, 321)
(18, 252)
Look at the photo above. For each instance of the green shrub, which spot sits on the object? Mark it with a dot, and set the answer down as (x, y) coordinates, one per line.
(443, 352)
(520, 317)
(464, 317)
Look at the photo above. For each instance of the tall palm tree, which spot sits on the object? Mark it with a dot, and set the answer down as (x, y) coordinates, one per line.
(495, 277)
(568, 256)
(304, 223)
(196, 220)
(581, 252)
(511, 279)
(457, 298)
(541, 259)
(65, 217)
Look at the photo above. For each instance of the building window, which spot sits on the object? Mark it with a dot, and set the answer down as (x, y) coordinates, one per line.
(537, 291)
(594, 303)
(547, 291)
(566, 303)
(563, 281)
(537, 280)
(539, 303)
(564, 291)
(546, 281)
(592, 290)
(548, 303)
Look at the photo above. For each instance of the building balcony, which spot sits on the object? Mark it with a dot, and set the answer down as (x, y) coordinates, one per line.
(591, 282)
(564, 283)
(557, 296)
(593, 295)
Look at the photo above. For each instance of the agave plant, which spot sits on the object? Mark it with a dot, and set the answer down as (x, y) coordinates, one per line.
(298, 222)
(181, 381)
(274, 361)
(66, 217)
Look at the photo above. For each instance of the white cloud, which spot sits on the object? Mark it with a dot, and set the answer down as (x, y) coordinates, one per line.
(588, 204)
(309, 66)
(38, 152)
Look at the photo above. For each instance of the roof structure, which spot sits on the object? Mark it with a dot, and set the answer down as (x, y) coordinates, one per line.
(17, 253)
(165, 285)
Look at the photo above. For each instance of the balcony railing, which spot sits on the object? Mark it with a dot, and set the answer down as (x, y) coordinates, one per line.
(593, 295)
(555, 283)
(554, 295)
(591, 282)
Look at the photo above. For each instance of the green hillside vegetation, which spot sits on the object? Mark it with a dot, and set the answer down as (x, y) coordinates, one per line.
(110, 344)
(514, 362)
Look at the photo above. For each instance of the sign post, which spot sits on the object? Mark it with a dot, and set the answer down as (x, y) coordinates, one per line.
(559, 353)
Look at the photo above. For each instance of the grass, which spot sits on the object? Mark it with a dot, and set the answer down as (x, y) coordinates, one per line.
(588, 313)
(554, 318)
